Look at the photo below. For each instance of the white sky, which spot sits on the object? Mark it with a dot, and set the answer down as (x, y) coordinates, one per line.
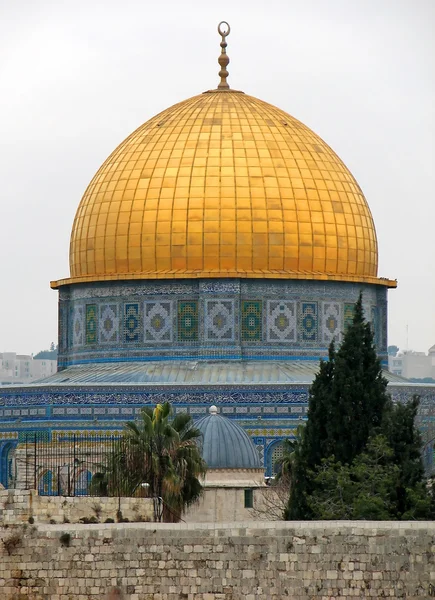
(77, 76)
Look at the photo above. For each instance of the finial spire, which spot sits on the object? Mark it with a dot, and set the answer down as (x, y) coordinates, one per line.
(223, 58)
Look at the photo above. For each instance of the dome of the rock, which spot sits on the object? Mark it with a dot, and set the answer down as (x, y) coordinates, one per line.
(214, 257)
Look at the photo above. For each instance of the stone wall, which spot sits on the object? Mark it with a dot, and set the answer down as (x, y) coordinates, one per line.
(24, 506)
(239, 561)
(229, 504)
(220, 505)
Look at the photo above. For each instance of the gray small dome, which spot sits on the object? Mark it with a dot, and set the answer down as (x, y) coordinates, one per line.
(225, 444)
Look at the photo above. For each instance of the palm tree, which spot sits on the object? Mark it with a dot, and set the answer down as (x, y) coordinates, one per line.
(159, 452)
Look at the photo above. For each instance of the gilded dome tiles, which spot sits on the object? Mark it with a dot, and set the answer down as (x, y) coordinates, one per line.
(223, 185)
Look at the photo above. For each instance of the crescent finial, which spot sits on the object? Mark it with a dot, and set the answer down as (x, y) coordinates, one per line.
(223, 30)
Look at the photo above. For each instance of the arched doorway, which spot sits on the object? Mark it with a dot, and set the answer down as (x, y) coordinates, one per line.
(45, 484)
(7, 464)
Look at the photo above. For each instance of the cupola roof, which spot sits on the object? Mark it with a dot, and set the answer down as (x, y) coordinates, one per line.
(223, 185)
(225, 445)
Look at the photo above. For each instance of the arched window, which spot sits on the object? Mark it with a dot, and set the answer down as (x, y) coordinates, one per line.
(277, 456)
(45, 484)
(8, 465)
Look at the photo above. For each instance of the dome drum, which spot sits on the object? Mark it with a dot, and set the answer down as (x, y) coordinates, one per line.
(210, 319)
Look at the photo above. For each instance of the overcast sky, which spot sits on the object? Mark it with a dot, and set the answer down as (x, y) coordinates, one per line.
(76, 77)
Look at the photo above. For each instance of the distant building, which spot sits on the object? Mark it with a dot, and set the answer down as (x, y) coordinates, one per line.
(23, 368)
(413, 365)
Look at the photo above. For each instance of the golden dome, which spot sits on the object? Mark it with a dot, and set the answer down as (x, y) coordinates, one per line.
(223, 185)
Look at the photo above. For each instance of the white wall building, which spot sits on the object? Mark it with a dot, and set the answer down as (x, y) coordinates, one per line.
(23, 368)
(413, 365)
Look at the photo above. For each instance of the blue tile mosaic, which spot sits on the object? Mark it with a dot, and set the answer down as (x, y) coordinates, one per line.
(158, 321)
(188, 320)
(332, 323)
(131, 322)
(374, 322)
(349, 309)
(219, 322)
(309, 322)
(63, 328)
(281, 321)
(267, 413)
(252, 320)
(144, 320)
(91, 323)
(78, 325)
(108, 324)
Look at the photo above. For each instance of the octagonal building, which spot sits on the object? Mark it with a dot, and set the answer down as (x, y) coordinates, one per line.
(213, 257)
(221, 229)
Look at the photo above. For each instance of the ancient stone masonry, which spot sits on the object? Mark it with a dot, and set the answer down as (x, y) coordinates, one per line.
(239, 561)
(26, 506)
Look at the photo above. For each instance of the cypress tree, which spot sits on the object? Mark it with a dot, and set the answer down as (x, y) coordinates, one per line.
(359, 391)
(346, 404)
(347, 398)
(300, 485)
(317, 438)
(404, 439)
(313, 443)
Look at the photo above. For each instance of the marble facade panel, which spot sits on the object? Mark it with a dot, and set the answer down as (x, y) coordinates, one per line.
(332, 322)
(281, 321)
(78, 325)
(108, 323)
(219, 323)
(158, 321)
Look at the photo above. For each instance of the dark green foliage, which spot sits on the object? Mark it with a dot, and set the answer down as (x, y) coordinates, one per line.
(160, 452)
(366, 489)
(359, 391)
(12, 541)
(46, 355)
(300, 485)
(349, 390)
(89, 520)
(359, 456)
(405, 441)
(314, 441)
(358, 491)
(317, 442)
(284, 465)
